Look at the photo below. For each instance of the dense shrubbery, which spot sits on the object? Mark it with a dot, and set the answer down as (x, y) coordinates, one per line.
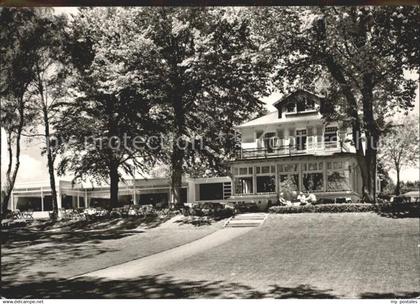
(338, 208)
(214, 210)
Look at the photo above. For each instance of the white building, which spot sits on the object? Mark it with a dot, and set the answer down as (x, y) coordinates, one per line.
(291, 147)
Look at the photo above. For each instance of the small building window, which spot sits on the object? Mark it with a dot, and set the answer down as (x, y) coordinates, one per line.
(243, 171)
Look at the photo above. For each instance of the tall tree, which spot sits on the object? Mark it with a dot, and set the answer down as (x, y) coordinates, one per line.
(400, 147)
(361, 54)
(206, 72)
(47, 86)
(106, 120)
(18, 31)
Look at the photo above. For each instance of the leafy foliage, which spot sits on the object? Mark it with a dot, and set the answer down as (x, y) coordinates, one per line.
(400, 147)
(356, 58)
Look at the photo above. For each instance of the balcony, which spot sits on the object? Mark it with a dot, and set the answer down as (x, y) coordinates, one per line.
(291, 150)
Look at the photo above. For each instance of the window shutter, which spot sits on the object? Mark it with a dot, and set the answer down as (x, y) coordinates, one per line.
(280, 133)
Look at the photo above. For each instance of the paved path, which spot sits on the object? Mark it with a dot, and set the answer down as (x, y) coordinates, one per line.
(157, 262)
(247, 220)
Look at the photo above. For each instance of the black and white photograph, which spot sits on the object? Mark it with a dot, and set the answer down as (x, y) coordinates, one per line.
(210, 152)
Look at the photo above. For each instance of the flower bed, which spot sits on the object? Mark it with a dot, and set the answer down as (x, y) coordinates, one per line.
(411, 208)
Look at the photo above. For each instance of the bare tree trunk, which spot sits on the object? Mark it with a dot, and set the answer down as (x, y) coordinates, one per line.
(114, 179)
(177, 157)
(371, 134)
(50, 163)
(176, 179)
(12, 174)
(397, 187)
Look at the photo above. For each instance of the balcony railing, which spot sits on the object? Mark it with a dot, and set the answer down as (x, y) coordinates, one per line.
(289, 150)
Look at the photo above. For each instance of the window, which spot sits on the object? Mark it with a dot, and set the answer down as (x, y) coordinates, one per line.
(213, 191)
(313, 181)
(289, 182)
(270, 142)
(243, 185)
(338, 165)
(330, 137)
(338, 181)
(288, 168)
(266, 183)
(300, 139)
(243, 171)
(310, 104)
(301, 105)
(265, 169)
(26, 203)
(290, 107)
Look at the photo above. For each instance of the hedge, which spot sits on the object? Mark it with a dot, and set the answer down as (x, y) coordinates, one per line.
(339, 208)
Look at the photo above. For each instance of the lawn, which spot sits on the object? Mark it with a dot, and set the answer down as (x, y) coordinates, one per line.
(361, 255)
(317, 255)
(65, 249)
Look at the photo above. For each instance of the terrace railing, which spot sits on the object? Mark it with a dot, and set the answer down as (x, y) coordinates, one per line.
(289, 150)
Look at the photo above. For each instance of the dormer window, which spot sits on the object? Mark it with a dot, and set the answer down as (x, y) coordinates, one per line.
(310, 104)
(290, 107)
(301, 105)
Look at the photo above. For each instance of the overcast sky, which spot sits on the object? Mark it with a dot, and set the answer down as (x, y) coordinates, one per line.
(34, 167)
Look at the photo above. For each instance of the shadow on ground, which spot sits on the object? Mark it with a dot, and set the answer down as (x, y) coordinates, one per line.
(406, 210)
(57, 242)
(156, 286)
(397, 295)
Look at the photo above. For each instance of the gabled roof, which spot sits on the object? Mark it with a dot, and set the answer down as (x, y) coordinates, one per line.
(273, 118)
(291, 95)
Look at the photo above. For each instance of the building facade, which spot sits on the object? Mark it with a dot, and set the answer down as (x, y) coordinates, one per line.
(294, 149)
(289, 149)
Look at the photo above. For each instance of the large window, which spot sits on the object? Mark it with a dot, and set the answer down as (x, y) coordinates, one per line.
(29, 203)
(313, 181)
(266, 183)
(213, 191)
(313, 177)
(243, 185)
(288, 177)
(266, 178)
(289, 182)
(338, 177)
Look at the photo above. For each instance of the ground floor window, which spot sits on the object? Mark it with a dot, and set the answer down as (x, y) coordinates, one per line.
(266, 183)
(338, 181)
(29, 203)
(155, 199)
(289, 182)
(67, 202)
(213, 191)
(243, 185)
(313, 181)
(48, 206)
